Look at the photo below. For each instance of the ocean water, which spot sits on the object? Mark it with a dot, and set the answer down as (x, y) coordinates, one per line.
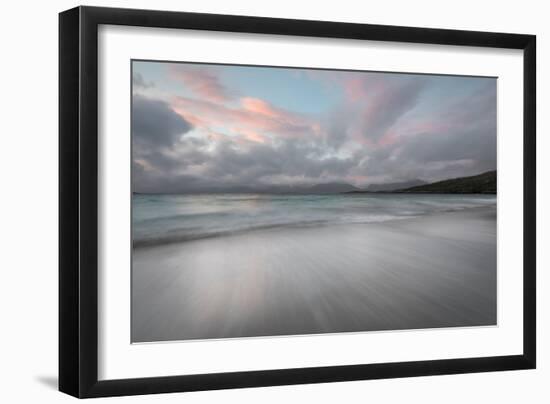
(165, 219)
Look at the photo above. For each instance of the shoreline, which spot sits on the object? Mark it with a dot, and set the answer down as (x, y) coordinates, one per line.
(430, 271)
(137, 245)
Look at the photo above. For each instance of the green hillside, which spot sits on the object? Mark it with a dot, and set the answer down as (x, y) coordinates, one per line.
(485, 183)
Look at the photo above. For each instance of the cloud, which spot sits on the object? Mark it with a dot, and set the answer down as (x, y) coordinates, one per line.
(377, 102)
(253, 119)
(139, 82)
(203, 82)
(459, 140)
(155, 124)
(292, 158)
(156, 131)
(386, 106)
(384, 128)
(373, 103)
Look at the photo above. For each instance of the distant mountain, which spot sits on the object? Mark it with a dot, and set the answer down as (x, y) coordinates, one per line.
(321, 188)
(331, 188)
(393, 186)
(300, 189)
(485, 183)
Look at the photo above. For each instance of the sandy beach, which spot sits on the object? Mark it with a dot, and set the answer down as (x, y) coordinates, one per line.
(437, 270)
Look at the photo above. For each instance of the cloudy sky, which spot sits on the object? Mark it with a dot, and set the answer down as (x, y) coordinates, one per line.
(198, 127)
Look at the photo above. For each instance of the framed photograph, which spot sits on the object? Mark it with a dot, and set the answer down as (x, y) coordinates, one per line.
(251, 201)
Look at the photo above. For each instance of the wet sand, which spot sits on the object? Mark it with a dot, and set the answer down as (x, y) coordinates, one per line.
(425, 272)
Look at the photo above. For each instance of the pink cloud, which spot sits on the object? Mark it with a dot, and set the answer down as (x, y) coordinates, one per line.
(259, 106)
(200, 81)
(373, 103)
(255, 137)
(389, 138)
(356, 85)
(254, 119)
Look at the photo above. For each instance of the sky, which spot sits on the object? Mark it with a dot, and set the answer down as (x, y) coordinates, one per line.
(206, 127)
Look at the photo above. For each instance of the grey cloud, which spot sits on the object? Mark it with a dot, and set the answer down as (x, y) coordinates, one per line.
(337, 124)
(147, 182)
(139, 82)
(468, 147)
(291, 158)
(375, 115)
(390, 106)
(156, 130)
(228, 167)
(155, 124)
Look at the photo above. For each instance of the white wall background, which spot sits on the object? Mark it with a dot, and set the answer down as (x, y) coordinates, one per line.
(28, 205)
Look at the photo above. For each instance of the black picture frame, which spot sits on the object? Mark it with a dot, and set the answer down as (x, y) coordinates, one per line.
(78, 201)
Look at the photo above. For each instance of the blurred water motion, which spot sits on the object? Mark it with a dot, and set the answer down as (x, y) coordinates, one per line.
(224, 267)
(162, 219)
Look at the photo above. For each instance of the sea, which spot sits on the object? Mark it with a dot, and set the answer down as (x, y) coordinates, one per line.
(164, 219)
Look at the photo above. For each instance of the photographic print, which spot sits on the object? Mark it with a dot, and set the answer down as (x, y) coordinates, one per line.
(271, 201)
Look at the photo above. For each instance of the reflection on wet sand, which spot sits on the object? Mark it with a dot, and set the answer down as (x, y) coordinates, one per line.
(426, 272)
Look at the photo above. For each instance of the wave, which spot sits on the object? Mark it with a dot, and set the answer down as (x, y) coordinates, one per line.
(191, 234)
(183, 219)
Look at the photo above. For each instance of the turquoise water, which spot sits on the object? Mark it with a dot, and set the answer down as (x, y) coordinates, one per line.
(164, 219)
